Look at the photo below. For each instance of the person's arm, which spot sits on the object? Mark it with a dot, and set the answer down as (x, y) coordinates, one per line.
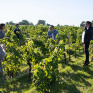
(14, 31)
(85, 28)
(5, 30)
(3, 46)
(2, 34)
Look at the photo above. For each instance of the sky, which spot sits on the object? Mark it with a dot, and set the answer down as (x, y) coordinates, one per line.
(63, 12)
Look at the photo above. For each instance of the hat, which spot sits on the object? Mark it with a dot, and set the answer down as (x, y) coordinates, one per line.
(51, 26)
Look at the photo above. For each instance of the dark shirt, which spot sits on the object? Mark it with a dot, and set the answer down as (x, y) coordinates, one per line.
(17, 30)
(88, 34)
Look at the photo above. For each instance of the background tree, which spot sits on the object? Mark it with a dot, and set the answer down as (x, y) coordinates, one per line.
(82, 24)
(31, 24)
(66, 25)
(24, 22)
(10, 23)
(41, 22)
(7, 23)
(47, 24)
(58, 24)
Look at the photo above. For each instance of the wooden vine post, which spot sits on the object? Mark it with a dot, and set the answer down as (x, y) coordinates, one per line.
(69, 46)
(29, 64)
(65, 57)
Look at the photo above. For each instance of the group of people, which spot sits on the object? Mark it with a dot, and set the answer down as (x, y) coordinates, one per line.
(2, 46)
(87, 36)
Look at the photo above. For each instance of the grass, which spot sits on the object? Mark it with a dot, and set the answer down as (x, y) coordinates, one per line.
(75, 78)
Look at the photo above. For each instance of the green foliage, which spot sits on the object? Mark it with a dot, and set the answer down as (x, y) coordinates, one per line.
(45, 54)
(46, 75)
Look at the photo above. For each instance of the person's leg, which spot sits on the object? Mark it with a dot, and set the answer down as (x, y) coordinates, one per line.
(1, 69)
(86, 54)
(84, 48)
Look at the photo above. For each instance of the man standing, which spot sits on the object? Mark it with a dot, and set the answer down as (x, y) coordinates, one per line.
(86, 38)
(52, 33)
(17, 30)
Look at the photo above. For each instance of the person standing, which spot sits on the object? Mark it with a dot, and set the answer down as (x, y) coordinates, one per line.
(52, 33)
(86, 38)
(2, 55)
(2, 33)
(2, 46)
(17, 30)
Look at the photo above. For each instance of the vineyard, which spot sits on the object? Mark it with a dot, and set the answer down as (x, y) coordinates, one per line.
(36, 64)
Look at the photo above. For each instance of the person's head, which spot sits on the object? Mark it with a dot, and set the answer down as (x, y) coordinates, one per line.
(17, 25)
(2, 26)
(51, 28)
(88, 24)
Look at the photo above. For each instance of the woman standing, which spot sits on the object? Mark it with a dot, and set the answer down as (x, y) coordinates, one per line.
(2, 33)
(86, 38)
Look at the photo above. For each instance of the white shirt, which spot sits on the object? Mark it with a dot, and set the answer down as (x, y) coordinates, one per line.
(83, 35)
(52, 35)
(87, 27)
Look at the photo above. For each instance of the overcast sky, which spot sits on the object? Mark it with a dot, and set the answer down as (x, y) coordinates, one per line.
(64, 12)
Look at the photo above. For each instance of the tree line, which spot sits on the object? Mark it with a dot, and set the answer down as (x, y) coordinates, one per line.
(40, 22)
(26, 22)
